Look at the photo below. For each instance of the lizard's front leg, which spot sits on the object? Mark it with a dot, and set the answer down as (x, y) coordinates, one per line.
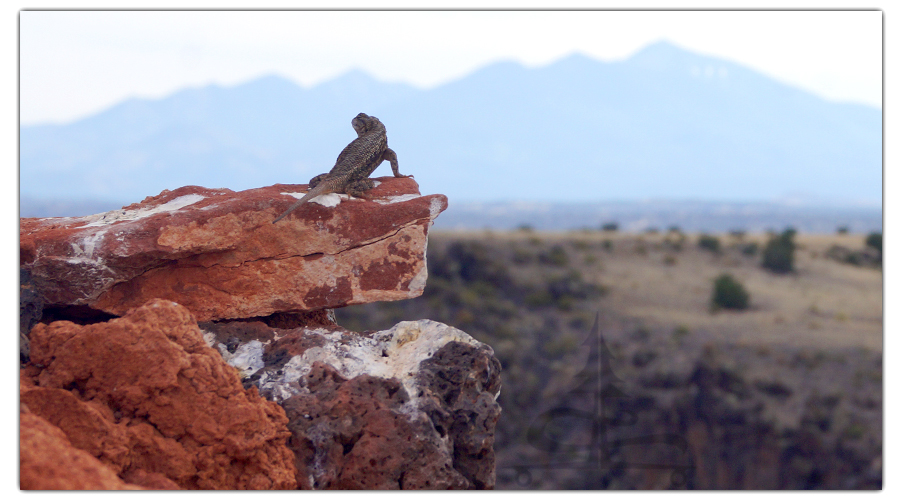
(391, 156)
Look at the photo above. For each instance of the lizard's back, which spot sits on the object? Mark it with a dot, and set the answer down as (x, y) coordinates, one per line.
(363, 155)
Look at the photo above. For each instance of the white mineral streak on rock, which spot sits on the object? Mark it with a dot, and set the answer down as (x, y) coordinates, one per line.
(396, 352)
(112, 216)
(417, 284)
(329, 200)
(397, 199)
(210, 339)
(334, 199)
(248, 358)
(435, 208)
(83, 250)
(93, 267)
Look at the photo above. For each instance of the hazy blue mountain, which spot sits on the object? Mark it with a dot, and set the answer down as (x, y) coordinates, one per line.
(639, 216)
(665, 123)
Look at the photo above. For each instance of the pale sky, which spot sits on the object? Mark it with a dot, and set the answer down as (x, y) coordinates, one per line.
(74, 64)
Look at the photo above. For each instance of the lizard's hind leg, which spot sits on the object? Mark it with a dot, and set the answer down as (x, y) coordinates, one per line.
(316, 180)
(358, 188)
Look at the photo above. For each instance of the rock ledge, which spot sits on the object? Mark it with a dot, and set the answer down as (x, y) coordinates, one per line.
(217, 252)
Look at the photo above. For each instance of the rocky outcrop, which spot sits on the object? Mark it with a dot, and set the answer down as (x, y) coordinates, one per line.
(217, 252)
(145, 395)
(413, 407)
(266, 392)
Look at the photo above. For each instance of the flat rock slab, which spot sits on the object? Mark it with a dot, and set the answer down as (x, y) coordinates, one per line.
(216, 251)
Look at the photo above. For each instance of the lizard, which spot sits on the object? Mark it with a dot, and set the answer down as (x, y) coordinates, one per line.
(350, 174)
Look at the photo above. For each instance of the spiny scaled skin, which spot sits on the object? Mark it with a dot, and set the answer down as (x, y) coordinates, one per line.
(350, 174)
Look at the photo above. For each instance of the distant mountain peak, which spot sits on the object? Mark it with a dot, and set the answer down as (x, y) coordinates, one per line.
(663, 55)
(574, 59)
(664, 48)
(268, 81)
(272, 77)
(359, 82)
(578, 56)
(354, 77)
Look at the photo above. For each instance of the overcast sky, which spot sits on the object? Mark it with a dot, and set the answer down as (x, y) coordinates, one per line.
(73, 64)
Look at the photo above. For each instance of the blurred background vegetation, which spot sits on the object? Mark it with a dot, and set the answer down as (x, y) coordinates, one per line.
(682, 315)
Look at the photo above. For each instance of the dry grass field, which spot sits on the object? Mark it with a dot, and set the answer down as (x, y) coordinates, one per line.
(824, 303)
(666, 280)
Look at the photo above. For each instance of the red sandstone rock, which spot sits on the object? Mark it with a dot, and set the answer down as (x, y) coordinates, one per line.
(217, 252)
(149, 399)
(48, 461)
(150, 480)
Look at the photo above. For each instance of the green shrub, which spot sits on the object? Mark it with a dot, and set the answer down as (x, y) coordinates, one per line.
(710, 243)
(641, 333)
(778, 256)
(873, 240)
(728, 293)
(562, 291)
(610, 226)
(750, 249)
(680, 332)
(469, 262)
(539, 298)
(557, 256)
(674, 240)
(572, 285)
(520, 256)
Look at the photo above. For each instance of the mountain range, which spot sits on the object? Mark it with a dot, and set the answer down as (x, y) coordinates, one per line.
(665, 123)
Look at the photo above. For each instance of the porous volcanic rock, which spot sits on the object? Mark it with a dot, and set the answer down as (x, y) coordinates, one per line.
(217, 252)
(412, 407)
(147, 397)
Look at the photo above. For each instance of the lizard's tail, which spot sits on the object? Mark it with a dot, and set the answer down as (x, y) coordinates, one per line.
(308, 196)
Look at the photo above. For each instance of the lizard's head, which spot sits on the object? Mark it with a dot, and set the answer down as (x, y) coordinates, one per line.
(363, 123)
